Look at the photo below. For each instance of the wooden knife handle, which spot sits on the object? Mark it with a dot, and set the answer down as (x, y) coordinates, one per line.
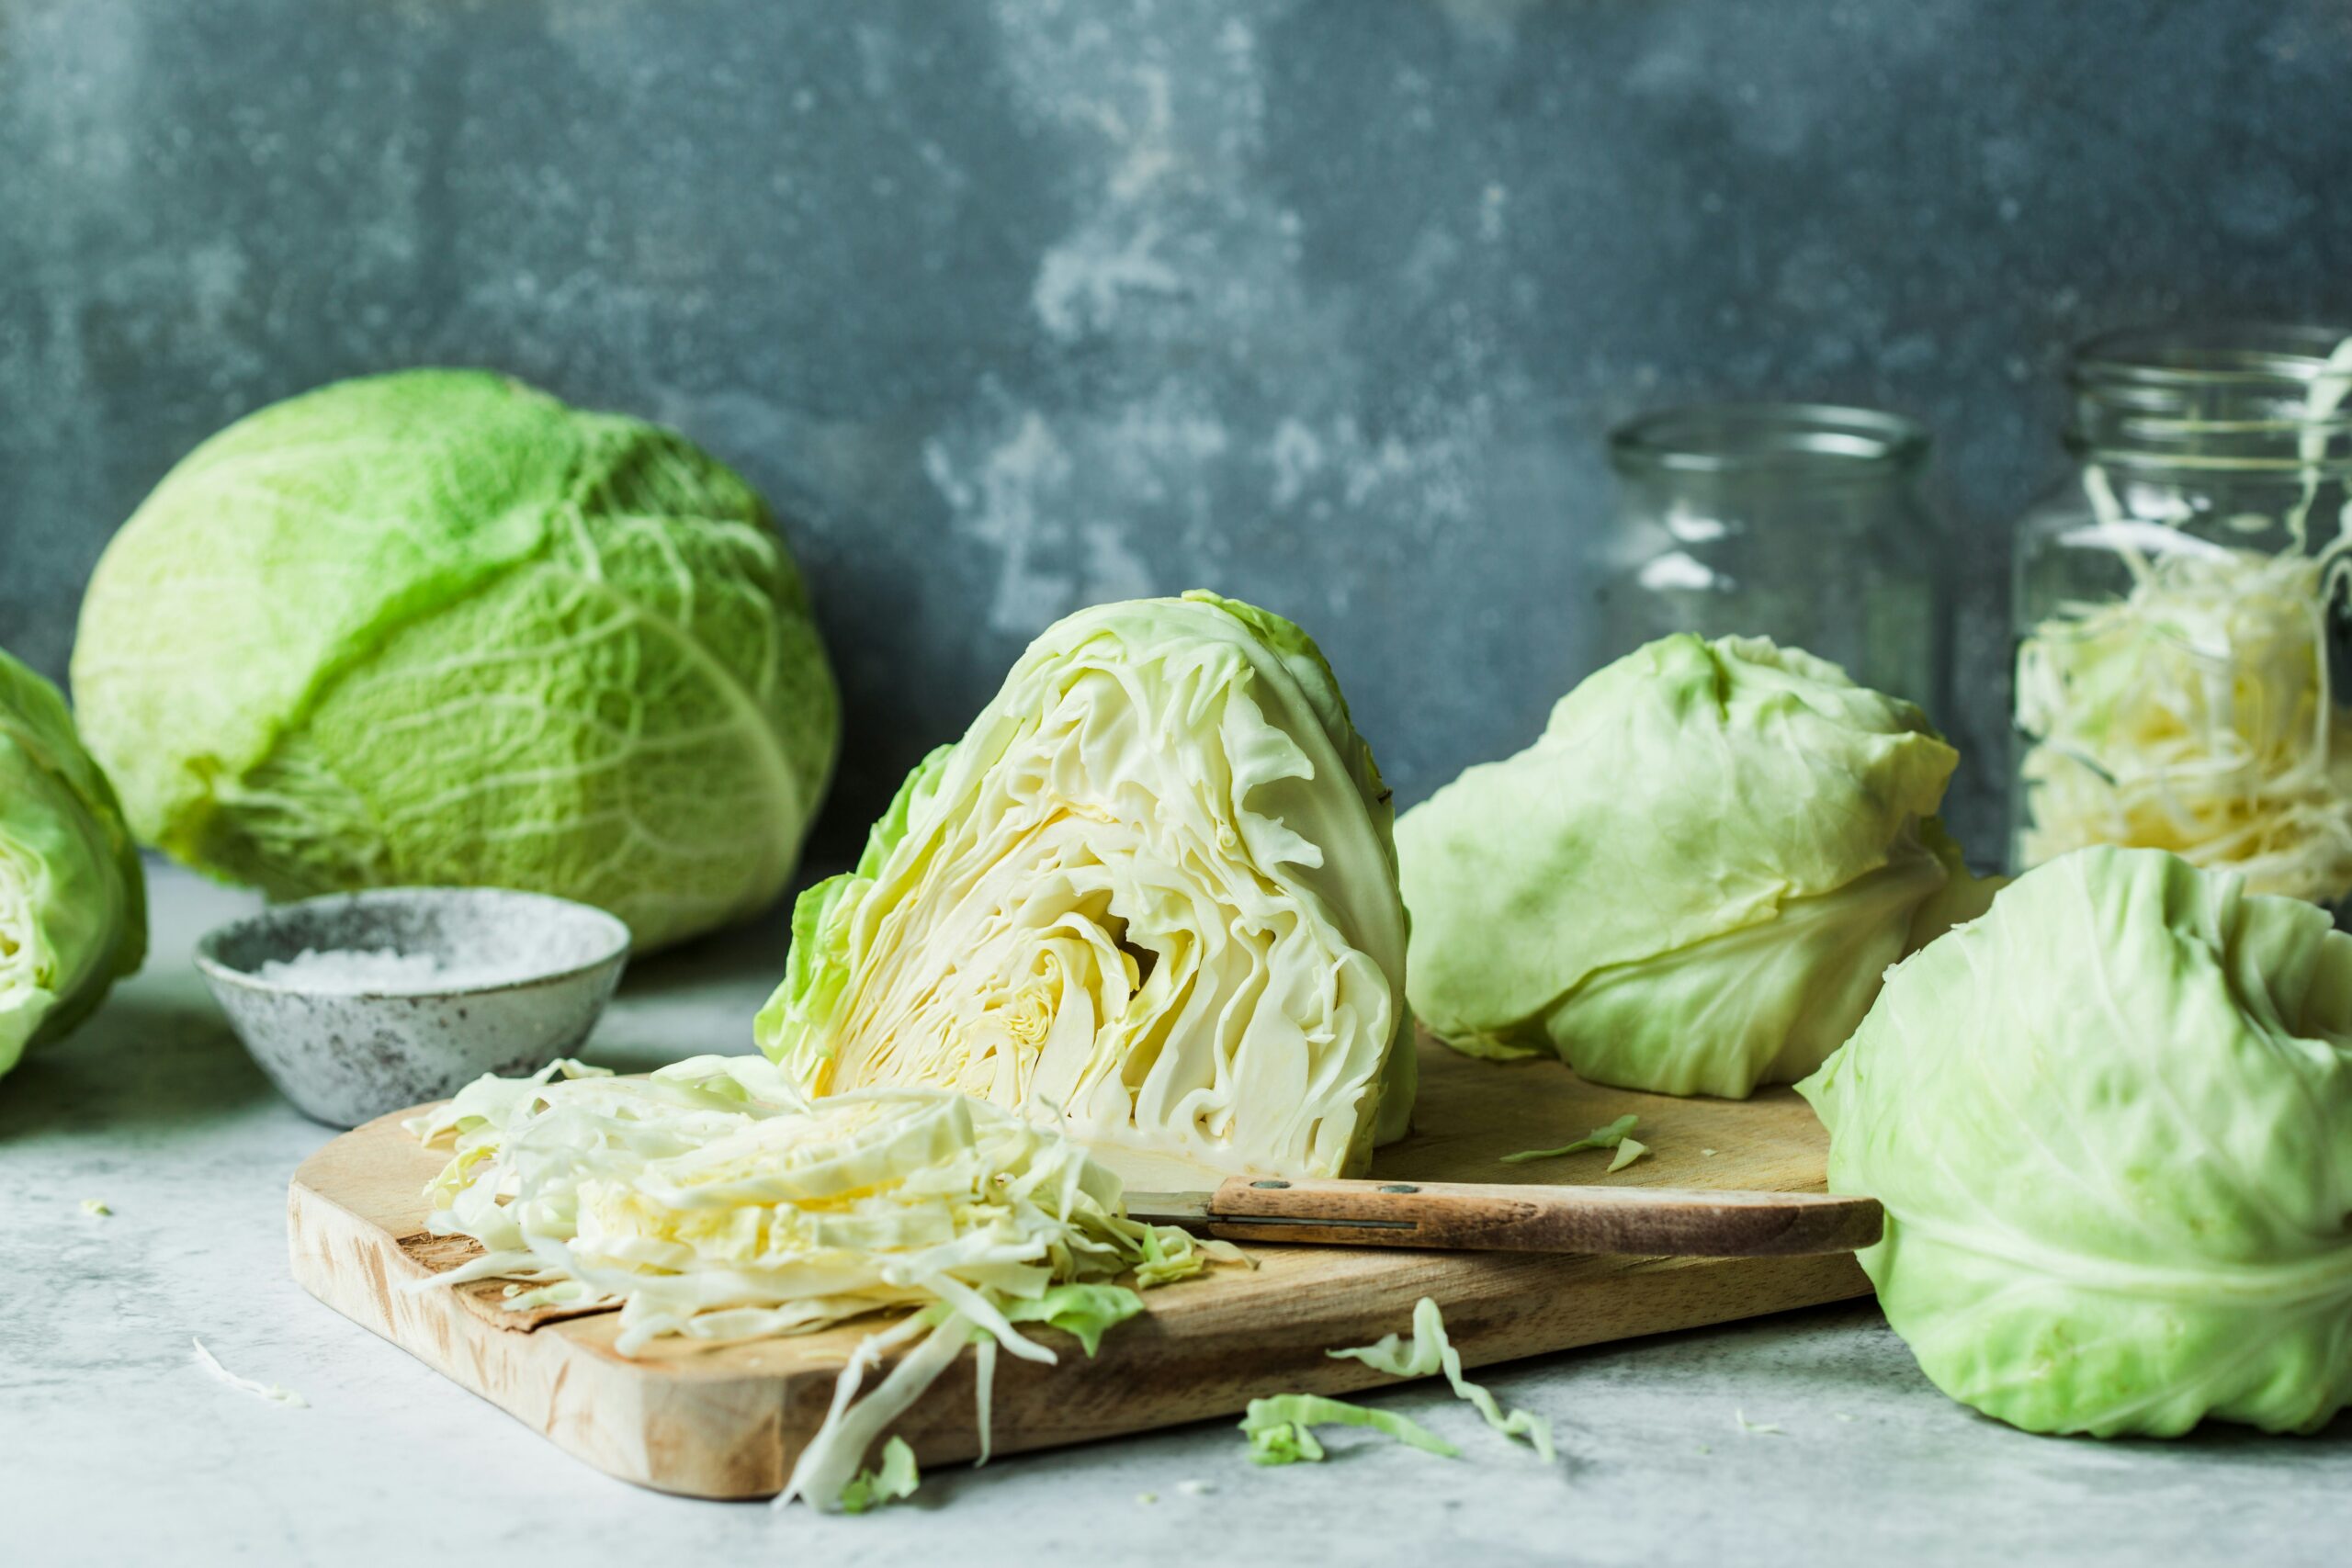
(1649, 1221)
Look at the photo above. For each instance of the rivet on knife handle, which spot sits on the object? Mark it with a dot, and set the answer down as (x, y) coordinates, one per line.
(1655, 1222)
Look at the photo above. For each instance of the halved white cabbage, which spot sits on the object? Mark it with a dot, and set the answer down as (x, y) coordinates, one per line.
(1151, 895)
(72, 899)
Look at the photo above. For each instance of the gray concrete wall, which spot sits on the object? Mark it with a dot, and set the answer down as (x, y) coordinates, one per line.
(1014, 307)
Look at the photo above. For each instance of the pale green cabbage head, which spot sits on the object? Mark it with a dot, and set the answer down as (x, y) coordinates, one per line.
(1691, 882)
(1151, 894)
(2112, 1125)
(72, 900)
(438, 627)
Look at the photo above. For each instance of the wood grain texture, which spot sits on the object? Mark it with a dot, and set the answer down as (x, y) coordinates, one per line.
(728, 1422)
(1664, 1221)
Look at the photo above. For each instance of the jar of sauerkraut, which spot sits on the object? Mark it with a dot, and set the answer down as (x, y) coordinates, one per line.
(2183, 662)
(1800, 522)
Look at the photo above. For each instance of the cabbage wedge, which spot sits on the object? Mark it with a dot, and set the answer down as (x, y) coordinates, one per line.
(1151, 896)
(72, 897)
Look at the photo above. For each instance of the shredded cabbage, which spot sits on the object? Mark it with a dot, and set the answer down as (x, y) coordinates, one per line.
(276, 1394)
(897, 1478)
(1429, 1352)
(2195, 714)
(713, 1202)
(1280, 1428)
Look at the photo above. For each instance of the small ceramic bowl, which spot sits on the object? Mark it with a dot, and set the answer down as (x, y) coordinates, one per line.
(485, 981)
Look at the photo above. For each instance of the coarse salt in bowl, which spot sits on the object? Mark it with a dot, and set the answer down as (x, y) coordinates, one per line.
(357, 1005)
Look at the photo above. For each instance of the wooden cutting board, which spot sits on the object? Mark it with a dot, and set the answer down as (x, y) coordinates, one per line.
(728, 1422)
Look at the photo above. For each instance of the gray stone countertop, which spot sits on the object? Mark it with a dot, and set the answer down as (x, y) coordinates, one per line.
(116, 1447)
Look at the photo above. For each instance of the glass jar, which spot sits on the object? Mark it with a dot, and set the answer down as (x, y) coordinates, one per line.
(2180, 612)
(1799, 522)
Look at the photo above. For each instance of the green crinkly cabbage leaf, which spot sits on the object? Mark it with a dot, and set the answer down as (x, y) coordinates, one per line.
(438, 627)
(72, 899)
(1691, 882)
(2112, 1125)
(1151, 894)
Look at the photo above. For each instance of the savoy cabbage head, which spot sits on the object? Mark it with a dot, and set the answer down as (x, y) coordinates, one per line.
(2112, 1125)
(72, 900)
(1151, 895)
(439, 627)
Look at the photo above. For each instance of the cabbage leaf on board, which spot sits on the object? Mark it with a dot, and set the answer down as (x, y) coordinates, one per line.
(72, 897)
(2111, 1126)
(1693, 879)
(437, 627)
(1151, 895)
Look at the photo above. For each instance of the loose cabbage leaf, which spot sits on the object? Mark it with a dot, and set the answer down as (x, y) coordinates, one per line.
(1280, 1428)
(1690, 882)
(438, 627)
(1088, 1312)
(276, 1394)
(2112, 1125)
(1607, 1137)
(1429, 1352)
(72, 897)
(897, 1479)
(1151, 896)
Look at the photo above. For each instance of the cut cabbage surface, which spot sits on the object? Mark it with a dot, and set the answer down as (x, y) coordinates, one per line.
(1151, 896)
(714, 1202)
(72, 897)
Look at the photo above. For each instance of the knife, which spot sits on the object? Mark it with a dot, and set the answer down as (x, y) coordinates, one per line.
(1649, 1221)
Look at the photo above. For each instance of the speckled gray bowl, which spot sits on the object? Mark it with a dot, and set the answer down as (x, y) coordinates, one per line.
(537, 972)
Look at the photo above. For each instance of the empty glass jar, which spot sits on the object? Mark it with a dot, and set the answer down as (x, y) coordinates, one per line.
(1799, 522)
(2180, 610)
